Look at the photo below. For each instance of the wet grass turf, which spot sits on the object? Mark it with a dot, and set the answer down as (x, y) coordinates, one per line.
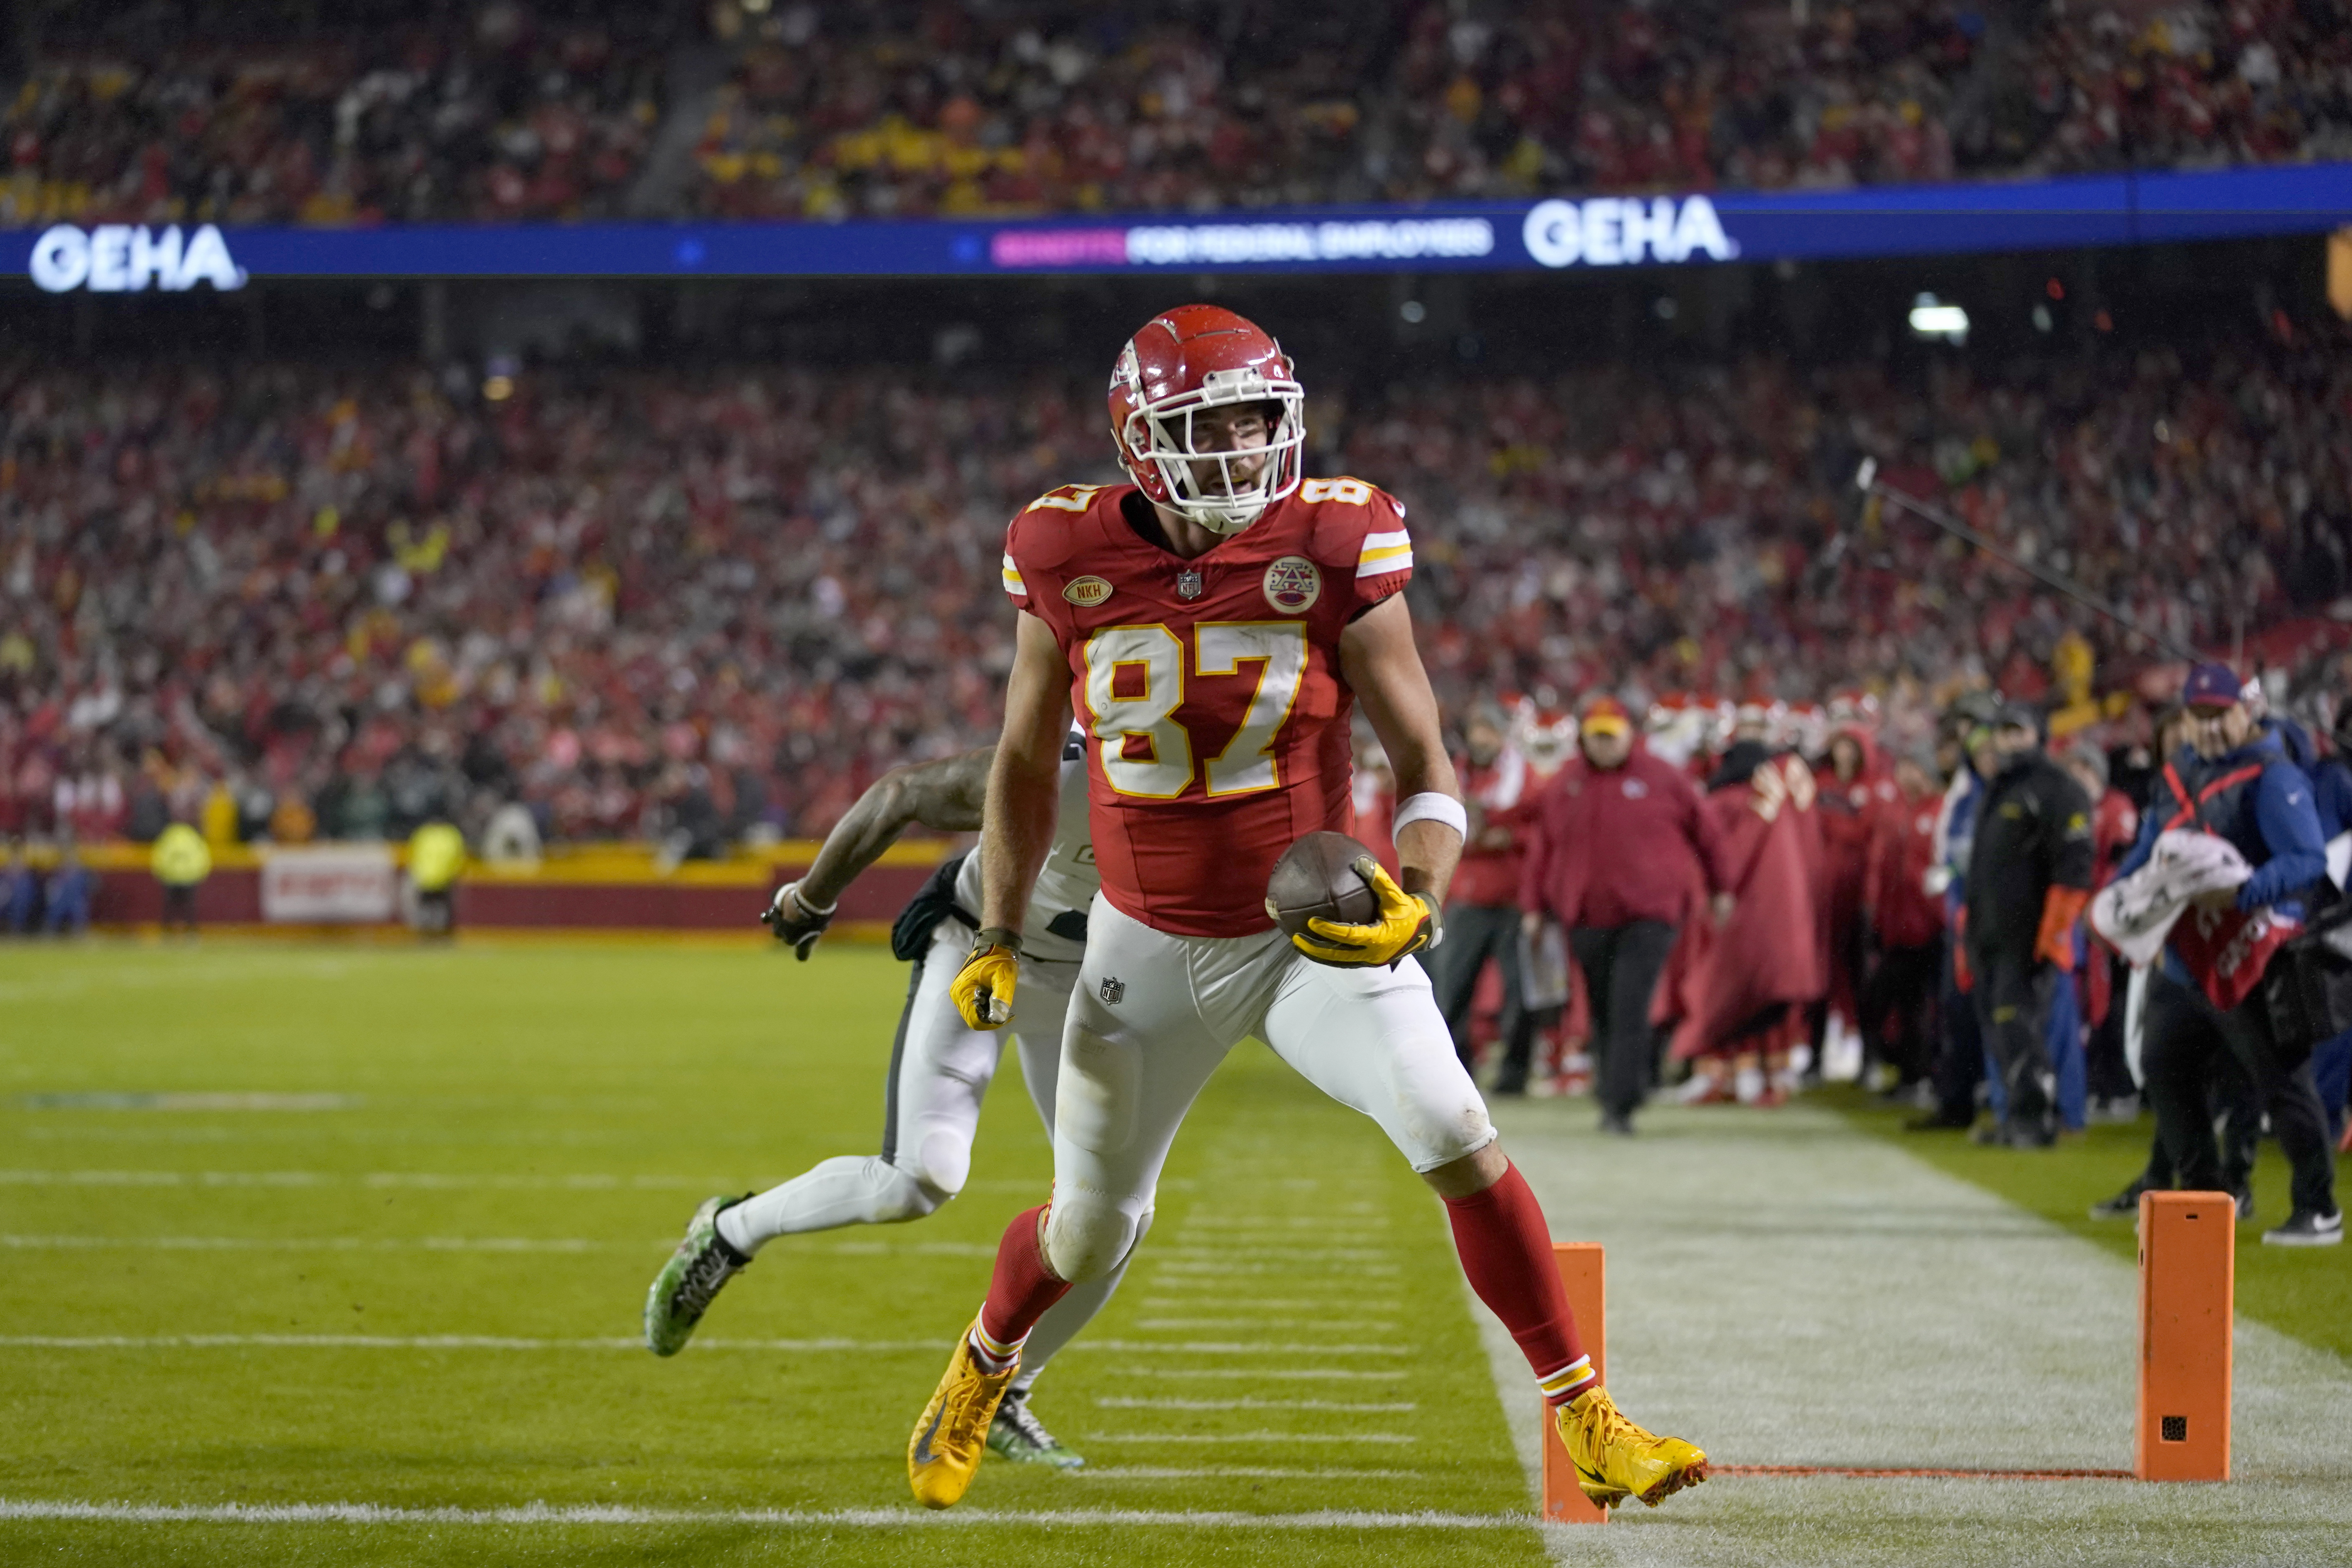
(568, 1106)
(2301, 1291)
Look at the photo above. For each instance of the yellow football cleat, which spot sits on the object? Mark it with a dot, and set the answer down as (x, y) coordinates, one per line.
(952, 1436)
(1616, 1459)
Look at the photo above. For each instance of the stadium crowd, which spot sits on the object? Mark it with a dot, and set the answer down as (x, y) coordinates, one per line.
(653, 602)
(500, 116)
(507, 111)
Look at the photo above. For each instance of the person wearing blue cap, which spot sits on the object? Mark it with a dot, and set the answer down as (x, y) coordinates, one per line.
(2234, 780)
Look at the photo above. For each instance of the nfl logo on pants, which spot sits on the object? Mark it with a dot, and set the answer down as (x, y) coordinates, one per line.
(1113, 989)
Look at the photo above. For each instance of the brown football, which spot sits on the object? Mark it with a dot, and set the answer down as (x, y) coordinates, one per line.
(1317, 879)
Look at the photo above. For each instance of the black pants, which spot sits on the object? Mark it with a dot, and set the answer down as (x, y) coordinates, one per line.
(2105, 1068)
(2231, 1105)
(1473, 933)
(1621, 965)
(1959, 1056)
(2012, 997)
(2188, 1038)
(1901, 990)
(180, 905)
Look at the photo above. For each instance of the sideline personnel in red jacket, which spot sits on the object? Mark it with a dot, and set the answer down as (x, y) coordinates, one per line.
(1619, 841)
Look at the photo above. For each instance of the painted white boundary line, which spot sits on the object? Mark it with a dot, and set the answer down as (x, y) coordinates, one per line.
(1134, 1403)
(496, 1342)
(1251, 1438)
(310, 1244)
(856, 1517)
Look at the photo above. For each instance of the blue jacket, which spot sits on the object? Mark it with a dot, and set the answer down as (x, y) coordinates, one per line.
(2331, 783)
(1956, 833)
(2262, 803)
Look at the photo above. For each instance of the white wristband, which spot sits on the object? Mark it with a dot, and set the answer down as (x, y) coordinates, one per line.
(1431, 806)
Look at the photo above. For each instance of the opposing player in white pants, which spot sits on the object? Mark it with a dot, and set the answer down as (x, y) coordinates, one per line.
(940, 1067)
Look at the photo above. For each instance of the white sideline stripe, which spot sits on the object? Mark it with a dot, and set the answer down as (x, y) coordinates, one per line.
(857, 1518)
(1300, 1375)
(1289, 1254)
(1204, 1267)
(1248, 1472)
(1133, 1404)
(585, 1182)
(1244, 1324)
(1194, 1304)
(314, 1243)
(498, 1342)
(449, 1244)
(1251, 1437)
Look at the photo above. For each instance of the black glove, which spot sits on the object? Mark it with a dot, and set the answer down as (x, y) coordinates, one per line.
(796, 921)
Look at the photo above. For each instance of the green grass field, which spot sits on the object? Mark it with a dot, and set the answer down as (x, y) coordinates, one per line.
(354, 1240)
(209, 1303)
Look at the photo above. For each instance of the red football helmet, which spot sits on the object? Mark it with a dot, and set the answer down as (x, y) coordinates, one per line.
(1196, 357)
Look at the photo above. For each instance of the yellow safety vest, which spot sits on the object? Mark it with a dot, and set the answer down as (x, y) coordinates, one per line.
(181, 857)
(437, 853)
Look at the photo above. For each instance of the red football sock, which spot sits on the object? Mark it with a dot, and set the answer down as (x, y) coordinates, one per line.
(1020, 1290)
(1506, 1250)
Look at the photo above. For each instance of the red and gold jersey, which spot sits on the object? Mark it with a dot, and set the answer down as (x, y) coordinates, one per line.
(1209, 688)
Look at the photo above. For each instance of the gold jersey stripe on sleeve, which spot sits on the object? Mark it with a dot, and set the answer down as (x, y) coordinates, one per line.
(1012, 583)
(1385, 552)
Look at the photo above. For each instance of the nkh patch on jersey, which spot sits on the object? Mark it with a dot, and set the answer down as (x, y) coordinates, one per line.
(1209, 688)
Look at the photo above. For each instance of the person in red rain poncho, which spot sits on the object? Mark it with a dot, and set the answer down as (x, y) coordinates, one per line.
(1906, 926)
(1854, 791)
(1746, 987)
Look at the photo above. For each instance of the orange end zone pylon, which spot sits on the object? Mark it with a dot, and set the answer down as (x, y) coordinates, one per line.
(2188, 1262)
(1579, 1264)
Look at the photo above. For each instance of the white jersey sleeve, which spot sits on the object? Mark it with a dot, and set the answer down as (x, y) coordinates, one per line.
(1054, 930)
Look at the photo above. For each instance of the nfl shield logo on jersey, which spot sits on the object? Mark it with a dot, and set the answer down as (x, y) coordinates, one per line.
(1188, 584)
(1292, 584)
(1113, 989)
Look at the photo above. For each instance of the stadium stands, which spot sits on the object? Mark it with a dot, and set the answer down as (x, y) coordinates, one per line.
(795, 111)
(650, 602)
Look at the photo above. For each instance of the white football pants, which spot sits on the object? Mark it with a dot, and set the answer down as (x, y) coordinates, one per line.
(1154, 1013)
(940, 1069)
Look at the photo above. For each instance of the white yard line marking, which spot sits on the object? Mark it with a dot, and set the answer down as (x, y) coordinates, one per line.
(1243, 1325)
(1219, 1268)
(589, 1181)
(316, 1243)
(1270, 1374)
(1277, 1254)
(859, 1518)
(1251, 1437)
(1233, 1472)
(502, 1342)
(109, 1099)
(1132, 1403)
(1285, 1304)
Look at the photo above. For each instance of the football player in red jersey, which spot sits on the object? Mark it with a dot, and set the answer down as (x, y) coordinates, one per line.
(1214, 623)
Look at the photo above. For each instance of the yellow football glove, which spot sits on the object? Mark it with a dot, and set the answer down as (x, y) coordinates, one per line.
(1408, 923)
(982, 988)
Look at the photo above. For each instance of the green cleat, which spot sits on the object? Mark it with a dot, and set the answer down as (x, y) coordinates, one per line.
(689, 1281)
(1018, 1435)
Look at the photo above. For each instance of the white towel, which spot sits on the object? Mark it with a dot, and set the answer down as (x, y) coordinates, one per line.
(2135, 914)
